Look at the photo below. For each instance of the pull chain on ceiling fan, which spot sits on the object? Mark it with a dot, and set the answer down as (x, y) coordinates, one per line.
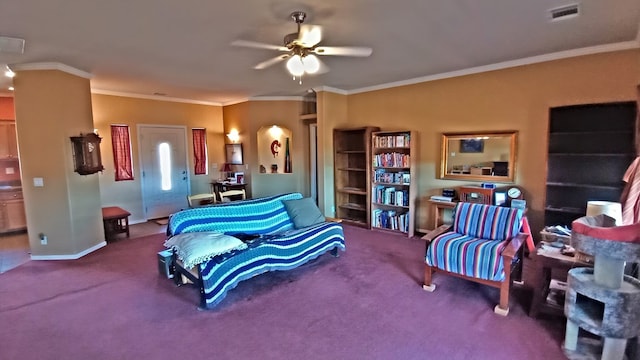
(301, 49)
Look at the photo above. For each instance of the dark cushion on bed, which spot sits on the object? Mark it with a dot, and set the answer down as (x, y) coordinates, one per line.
(303, 212)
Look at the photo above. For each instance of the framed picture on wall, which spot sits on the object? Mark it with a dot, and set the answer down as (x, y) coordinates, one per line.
(234, 154)
(472, 146)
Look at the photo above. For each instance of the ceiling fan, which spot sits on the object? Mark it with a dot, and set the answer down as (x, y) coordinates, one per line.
(301, 49)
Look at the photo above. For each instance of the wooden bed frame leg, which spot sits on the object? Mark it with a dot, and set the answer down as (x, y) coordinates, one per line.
(428, 285)
(335, 252)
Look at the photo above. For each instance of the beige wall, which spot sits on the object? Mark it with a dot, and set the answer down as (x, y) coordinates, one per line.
(511, 99)
(248, 118)
(108, 110)
(332, 114)
(52, 106)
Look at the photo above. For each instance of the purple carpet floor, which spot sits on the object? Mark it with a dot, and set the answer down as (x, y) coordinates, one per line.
(366, 304)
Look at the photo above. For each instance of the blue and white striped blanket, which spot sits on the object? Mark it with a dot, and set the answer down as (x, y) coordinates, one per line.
(281, 246)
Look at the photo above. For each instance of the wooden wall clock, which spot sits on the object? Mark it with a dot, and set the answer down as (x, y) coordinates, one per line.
(86, 154)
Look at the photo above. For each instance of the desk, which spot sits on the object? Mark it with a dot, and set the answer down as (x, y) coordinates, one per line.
(547, 260)
(116, 221)
(219, 186)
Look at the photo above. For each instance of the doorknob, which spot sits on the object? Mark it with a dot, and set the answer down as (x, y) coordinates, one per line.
(184, 172)
(184, 178)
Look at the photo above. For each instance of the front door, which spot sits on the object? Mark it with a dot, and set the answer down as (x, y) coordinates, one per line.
(163, 161)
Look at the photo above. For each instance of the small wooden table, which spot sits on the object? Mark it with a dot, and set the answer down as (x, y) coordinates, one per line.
(116, 221)
(547, 260)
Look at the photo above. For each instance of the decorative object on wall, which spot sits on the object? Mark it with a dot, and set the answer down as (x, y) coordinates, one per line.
(86, 154)
(472, 146)
(271, 146)
(287, 157)
(275, 147)
(480, 156)
(234, 154)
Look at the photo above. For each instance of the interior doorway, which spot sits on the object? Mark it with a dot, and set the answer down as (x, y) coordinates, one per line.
(163, 165)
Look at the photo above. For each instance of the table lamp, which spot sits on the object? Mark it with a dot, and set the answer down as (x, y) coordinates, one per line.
(226, 169)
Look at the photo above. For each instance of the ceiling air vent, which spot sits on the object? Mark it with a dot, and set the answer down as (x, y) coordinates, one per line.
(564, 12)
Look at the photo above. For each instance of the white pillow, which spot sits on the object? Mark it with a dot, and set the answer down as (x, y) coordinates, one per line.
(196, 247)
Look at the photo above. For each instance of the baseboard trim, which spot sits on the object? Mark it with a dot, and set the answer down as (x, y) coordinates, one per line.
(71, 256)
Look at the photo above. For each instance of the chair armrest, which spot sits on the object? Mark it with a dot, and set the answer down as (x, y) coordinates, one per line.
(336, 220)
(436, 232)
(514, 245)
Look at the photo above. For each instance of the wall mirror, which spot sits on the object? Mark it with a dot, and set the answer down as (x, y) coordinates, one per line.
(483, 156)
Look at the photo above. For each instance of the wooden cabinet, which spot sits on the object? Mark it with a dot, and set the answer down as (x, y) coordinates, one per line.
(12, 215)
(352, 174)
(393, 189)
(590, 148)
(8, 141)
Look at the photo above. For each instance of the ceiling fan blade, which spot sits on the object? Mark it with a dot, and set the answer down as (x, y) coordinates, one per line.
(323, 67)
(258, 45)
(310, 35)
(343, 50)
(272, 61)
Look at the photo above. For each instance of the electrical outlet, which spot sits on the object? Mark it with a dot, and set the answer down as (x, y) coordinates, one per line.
(43, 239)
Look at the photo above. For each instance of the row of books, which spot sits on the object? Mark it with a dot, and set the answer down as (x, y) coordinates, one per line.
(392, 160)
(400, 140)
(382, 176)
(390, 196)
(390, 219)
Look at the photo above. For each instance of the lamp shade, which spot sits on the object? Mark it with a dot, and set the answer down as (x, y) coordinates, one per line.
(226, 167)
(311, 64)
(295, 65)
(610, 208)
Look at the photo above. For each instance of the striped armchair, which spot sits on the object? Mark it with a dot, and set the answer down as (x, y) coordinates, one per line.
(483, 244)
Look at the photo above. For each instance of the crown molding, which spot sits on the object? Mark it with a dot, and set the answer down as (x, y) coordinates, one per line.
(331, 89)
(50, 66)
(627, 45)
(275, 98)
(153, 97)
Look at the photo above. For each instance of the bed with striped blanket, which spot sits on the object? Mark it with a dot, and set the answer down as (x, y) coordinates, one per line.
(278, 245)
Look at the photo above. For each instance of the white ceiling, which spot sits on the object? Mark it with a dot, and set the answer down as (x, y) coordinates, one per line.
(182, 48)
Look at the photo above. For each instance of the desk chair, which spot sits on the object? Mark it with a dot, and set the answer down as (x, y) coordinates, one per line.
(231, 195)
(198, 200)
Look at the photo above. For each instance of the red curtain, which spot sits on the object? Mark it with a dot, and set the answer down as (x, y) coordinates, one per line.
(121, 152)
(200, 151)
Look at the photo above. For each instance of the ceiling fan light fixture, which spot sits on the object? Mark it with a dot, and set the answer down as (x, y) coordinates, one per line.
(311, 64)
(295, 65)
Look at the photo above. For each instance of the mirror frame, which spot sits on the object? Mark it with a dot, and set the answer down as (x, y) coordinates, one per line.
(510, 178)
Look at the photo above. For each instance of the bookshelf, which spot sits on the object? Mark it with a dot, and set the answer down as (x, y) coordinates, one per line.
(352, 174)
(590, 148)
(393, 181)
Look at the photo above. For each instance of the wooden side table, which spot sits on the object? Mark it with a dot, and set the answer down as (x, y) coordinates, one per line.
(116, 221)
(438, 208)
(549, 260)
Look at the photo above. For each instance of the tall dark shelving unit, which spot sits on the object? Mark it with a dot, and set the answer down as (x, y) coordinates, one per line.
(352, 161)
(590, 148)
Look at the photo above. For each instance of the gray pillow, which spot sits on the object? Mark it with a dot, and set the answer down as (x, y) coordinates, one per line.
(303, 212)
(196, 247)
